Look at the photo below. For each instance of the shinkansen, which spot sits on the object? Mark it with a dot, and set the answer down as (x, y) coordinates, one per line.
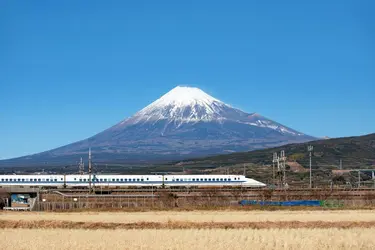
(127, 180)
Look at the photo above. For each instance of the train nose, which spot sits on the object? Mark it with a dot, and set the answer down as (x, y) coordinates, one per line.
(253, 183)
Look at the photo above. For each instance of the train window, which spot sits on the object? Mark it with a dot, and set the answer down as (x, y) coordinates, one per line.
(209, 179)
(201, 179)
(166, 179)
(126, 179)
(147, 178)
(117, 179)
(62, 178)
(39, 179)
(221, 179)
(19, 179)
(205, 179)
(137, 179)
(6, 179)
(229, 179)
(75, 179)
(105, 179)
(56, 180)
(141, 179)
(177, 179)
(2, 179)
(133, 179)
(225, 179)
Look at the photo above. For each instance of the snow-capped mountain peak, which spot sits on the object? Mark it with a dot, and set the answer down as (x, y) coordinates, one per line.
(182, 104)
(189, 106)
(185, 122)
(185, 96)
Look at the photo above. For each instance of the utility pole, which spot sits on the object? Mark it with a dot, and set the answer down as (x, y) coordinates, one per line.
(340, 164)
(283, 167)
(359, 178)
(81, 167)
(310, 149)
(89, 170)
(274, 160)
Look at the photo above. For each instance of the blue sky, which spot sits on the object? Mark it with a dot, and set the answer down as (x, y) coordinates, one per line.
(70, 69)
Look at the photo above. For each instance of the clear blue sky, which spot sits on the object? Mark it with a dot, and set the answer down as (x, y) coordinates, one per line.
(70, 69)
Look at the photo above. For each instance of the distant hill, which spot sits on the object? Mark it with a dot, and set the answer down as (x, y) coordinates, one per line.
(355, 152)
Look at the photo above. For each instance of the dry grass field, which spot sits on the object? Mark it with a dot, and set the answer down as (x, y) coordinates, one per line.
(196, 216)
(341, 229)
(216, 239)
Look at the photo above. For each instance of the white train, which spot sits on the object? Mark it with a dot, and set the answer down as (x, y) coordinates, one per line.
(108, 180)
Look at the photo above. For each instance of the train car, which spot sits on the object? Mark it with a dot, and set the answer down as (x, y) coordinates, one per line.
(110, 180)
(32, 180)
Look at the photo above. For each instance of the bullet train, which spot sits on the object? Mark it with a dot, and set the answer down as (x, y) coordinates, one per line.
(108, 180)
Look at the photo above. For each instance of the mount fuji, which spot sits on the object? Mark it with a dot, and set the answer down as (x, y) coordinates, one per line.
(185, 122)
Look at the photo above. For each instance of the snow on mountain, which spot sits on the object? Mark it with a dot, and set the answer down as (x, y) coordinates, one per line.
(191, 105)
(182, 104)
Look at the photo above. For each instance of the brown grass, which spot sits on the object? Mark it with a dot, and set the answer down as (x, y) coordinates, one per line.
(218, 239)
(195, 216)
(45, 224)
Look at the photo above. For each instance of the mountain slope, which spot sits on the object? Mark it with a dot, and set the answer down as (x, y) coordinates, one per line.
(184, 122)
(354, 152)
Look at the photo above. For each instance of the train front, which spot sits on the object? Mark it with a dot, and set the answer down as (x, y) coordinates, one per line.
(253, 183)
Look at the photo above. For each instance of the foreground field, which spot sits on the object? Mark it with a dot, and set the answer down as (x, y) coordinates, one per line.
(342, 229)
(356, 238)
(197, 216)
